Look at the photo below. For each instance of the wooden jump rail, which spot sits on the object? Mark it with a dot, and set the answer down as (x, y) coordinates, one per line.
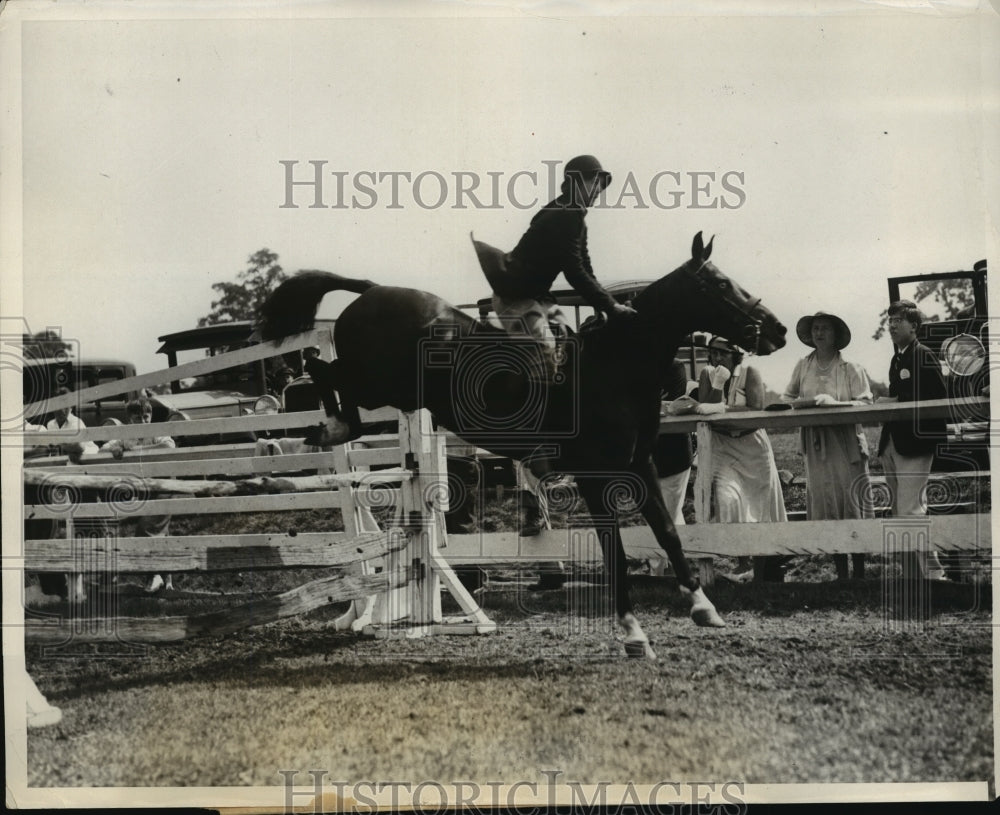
(319, 337)
(395, 576)
(958, 410)
(408, 585)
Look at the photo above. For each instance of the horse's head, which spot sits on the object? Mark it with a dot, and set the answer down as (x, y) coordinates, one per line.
(705, 299)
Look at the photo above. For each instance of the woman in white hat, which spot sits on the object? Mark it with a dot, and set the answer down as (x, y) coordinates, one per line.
(836, 456)
(737, 480)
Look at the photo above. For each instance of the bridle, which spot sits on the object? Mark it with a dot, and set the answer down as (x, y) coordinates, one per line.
(705, 287)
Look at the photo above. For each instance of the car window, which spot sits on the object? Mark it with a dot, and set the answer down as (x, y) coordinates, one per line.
(244, 378)
(939, 299)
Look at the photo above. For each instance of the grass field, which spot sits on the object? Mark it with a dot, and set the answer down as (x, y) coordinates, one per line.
(813, 680)
(806, 684)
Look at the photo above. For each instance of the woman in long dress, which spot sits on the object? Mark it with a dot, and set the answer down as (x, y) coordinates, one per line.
(836, 456)
(737, 479)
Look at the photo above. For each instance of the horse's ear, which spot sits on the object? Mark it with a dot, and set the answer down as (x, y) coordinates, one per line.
(708, 249)
(697, 247)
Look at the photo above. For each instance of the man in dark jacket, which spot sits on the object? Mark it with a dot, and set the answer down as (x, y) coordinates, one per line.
(907, 447)
(556, 241)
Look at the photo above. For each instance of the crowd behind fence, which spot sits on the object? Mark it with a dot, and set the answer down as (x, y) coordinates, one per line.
(136, 471)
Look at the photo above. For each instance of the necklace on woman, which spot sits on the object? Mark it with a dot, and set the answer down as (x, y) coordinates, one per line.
(824, 369)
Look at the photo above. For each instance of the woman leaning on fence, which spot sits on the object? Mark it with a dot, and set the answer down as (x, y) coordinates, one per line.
(737, 479)
(836, 456)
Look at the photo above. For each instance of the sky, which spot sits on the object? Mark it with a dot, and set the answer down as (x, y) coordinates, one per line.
(151, 149)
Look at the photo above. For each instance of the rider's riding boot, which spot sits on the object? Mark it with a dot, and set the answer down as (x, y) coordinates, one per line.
(531, 515)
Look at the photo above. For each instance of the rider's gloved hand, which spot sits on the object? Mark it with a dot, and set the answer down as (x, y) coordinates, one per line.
(621, 310)
(718, 378)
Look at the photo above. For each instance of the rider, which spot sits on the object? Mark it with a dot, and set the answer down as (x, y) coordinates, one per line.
(556, 241)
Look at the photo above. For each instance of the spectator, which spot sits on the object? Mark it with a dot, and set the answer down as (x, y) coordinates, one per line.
(65, 420)
(140, 411)
(737, 466)
(907, 447)
(282, 378)
(836, 456)
(673, 452)
(34, 450)
(50, 583)
(53, 584)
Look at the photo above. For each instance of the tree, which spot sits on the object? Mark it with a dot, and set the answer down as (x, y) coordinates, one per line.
(240, 300)
(43, 345)
(953, 295)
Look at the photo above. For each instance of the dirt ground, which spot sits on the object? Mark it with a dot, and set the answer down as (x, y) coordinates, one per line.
(808, 683)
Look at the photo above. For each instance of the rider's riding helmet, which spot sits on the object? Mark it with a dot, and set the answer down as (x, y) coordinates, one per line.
(585, 167)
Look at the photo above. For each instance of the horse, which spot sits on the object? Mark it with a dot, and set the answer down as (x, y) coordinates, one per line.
(597, 420)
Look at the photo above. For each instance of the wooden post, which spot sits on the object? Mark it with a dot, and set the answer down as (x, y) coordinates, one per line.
(385, 607)
(418, 445)
(422, 505)
(706, 571)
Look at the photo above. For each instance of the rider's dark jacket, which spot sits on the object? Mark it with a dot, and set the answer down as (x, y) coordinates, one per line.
(556, 241)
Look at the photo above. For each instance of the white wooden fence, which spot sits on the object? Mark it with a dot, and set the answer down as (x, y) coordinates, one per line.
(394, 575)
(414, 554)
(970, 533)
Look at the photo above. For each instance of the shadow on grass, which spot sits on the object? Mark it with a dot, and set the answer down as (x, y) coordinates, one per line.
(333, 661)
(777, 599)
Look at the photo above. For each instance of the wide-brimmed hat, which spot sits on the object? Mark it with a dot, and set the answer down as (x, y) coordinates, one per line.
(842, 334)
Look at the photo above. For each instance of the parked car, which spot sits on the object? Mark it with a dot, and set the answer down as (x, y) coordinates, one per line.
(242, 390)
(238, 391)
(41, 378)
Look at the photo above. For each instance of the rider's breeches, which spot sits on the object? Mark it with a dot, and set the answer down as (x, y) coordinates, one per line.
(533, 318)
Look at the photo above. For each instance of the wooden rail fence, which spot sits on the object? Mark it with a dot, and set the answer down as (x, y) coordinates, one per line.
(395, 575)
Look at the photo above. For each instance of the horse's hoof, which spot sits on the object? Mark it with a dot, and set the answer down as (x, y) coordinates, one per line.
(703, 612)
(707, 617)
(327, 434)
(314, 434)
(638, 649)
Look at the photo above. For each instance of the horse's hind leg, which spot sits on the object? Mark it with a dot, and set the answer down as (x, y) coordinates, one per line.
(343, 422)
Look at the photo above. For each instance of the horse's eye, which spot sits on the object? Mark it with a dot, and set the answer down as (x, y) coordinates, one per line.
(723, 284)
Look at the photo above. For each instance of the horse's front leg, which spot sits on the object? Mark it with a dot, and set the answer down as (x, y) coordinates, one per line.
(654, 510)
(595, 492)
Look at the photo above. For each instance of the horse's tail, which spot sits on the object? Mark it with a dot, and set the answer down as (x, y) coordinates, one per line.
(291, 308)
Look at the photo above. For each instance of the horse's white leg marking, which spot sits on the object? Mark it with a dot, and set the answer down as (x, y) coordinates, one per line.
(636, 641)
(702, 610)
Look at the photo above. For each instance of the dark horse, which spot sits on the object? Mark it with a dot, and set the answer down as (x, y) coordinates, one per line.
(410, 349)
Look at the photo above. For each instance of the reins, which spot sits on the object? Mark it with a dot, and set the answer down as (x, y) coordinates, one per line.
(752, 325)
